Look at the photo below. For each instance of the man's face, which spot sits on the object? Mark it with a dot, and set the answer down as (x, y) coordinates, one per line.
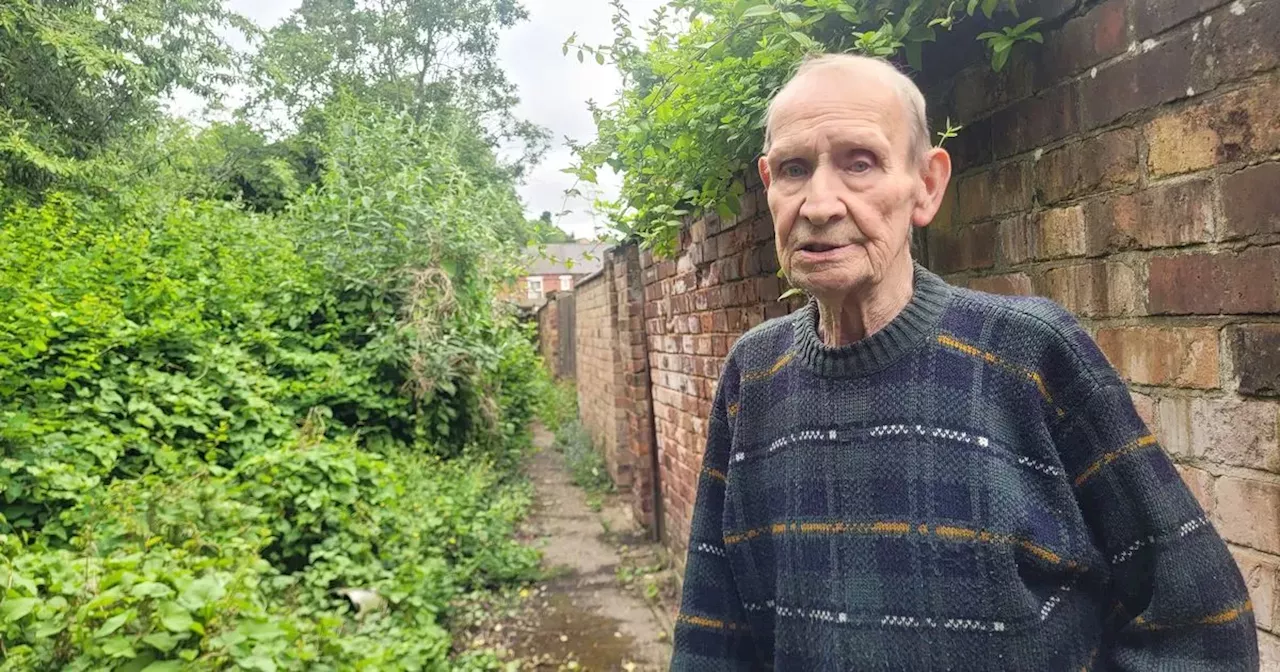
(842, 184)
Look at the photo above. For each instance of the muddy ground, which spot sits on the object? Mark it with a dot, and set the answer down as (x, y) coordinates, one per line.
(607, 602)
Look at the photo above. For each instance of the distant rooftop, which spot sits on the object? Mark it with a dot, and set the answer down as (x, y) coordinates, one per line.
(565, 258)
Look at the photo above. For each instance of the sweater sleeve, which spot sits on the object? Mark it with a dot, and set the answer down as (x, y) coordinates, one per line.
(1181, 602)
(711, 631)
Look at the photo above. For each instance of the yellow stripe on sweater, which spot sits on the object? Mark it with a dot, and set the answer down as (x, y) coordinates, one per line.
(763, 374)
(996, 360)
(1136, 444)
(1219, 618)
(899, 528)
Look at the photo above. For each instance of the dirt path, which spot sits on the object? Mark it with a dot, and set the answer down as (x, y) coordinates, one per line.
(592, 614)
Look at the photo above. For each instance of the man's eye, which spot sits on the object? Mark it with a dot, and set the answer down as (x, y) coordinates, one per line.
(793, 170)
(861, 166)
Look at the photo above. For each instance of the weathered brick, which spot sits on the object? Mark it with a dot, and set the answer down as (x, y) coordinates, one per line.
(1148, 409)
(1262, 575)
(1032, 122)
(1269, 651)
(1211, 284)
(964, 248)
(1102, 162)
(1240, 433)
(979, 88)
(1251, 201)
(1247, 512)
(1182, 357)
(1015, 240)
(1008, 284)
(1255, 350)
(1173, 427)
(1239, 40)
(1103, 289)
(1162, 216)
(972, 146)
(1200, 483)
(1238, 125)
(973, 194)
(1099, 34)
(1059, 233)
(947, 210)
(1151, 18)
(1150, 77)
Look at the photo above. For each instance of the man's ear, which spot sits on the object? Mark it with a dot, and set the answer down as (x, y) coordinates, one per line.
(762, 164)
(935, 174)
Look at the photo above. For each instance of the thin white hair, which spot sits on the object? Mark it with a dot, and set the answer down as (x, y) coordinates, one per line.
(907, 91)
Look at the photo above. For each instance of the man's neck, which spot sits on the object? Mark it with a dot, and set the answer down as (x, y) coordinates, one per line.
(867, 310)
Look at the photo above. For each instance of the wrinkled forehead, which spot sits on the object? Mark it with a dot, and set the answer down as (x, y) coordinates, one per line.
(840, 97)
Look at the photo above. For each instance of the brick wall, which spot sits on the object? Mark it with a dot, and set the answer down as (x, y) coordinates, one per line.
(597, 372)
(1130, 170)
(722, 282)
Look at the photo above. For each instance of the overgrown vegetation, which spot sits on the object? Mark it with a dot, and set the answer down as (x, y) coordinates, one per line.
(690, 121)
(241, 374)
(586, 464)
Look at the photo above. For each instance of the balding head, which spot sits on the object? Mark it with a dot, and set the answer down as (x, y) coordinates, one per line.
(852, 70)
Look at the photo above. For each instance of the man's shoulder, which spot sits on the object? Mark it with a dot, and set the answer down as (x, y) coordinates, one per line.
(1038, 331)
(764, 342)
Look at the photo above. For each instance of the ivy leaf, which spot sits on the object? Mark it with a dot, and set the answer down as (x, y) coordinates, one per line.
(161, 641)
(759, 10)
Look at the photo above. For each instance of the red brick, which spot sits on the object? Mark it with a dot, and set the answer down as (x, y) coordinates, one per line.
(993, 192)
(1147, 408)
(1086, 40)
(1210, 284)
(1016, 243)
(1149, 78)
(1104, 289)
(1033, 122)
(1009, 284)
(964, 248)
(1238, 125)
(972, 147)
(1247, 512)
(1058, 233)
(1251, 201)
(1240, 40)
(1182, 357)
(1096, 164)
(1255, 350)
(1162, 216)
(1151, 18)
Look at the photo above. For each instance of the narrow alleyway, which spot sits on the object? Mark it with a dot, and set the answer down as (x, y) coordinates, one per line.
(593, 613)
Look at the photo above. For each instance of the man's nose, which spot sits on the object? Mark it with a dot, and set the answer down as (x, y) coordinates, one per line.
(822, 204)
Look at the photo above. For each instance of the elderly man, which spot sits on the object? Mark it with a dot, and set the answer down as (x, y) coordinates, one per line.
(908, 475)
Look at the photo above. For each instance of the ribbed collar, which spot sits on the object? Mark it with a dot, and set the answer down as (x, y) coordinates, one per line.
(929, 298)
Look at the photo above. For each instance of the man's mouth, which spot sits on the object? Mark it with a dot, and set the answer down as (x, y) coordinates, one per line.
(819, 247)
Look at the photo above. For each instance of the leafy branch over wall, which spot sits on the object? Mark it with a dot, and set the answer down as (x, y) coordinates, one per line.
(689, 122)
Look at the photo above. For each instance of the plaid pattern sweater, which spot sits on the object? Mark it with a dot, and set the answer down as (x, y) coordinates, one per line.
(969, 488)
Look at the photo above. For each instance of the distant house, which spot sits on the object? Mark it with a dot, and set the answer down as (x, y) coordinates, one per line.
(556, 267)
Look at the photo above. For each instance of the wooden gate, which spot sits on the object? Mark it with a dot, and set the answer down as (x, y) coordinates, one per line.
(566, 365)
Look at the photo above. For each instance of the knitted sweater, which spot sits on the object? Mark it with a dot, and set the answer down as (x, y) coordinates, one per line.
(969, 488)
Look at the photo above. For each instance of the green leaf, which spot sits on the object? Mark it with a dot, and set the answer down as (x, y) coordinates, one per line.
(161, 641)
(119, 647)
(989, 6)
(599, 58)
(973, 5)
(1022, 27)
(790, 18)
(164, 666)
(999, 59)
(759, 10)
(201, 592)
(112, 624)
(794, 291)
(914, 58)
(174, 618)
(14, 609)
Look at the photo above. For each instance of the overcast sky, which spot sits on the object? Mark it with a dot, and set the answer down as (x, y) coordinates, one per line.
(553, 88)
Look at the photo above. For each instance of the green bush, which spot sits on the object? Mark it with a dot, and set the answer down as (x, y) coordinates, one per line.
(557, 402)
(212, 419)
